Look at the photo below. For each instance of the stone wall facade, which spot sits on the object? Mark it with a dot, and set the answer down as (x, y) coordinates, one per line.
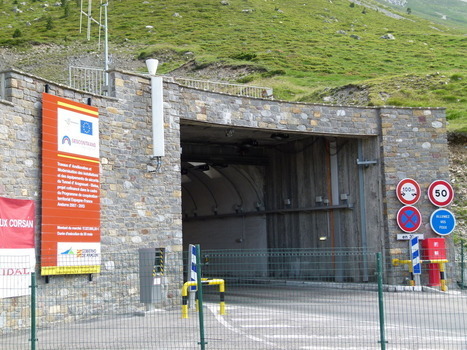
(143, 209)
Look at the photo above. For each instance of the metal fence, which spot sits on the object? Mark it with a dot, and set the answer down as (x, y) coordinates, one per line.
(274, 299)
(228, 88)
(92, 80)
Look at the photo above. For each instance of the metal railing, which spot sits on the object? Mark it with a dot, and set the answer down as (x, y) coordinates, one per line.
(92, 80)
(227, 88)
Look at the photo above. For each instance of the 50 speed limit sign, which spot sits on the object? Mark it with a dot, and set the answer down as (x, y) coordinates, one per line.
(440, 193)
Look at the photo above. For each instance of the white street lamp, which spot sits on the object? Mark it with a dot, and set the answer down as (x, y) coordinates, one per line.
(157, 116)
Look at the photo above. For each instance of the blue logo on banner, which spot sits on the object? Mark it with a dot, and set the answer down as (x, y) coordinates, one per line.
(86, 127)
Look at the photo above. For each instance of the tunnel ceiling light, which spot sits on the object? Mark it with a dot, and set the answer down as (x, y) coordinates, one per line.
(203, 167)
(279, 136)
(250, 143)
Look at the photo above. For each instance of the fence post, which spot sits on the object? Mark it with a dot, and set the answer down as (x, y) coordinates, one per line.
(33, 311)
(200, 297)
(379, 274)
(462, 264)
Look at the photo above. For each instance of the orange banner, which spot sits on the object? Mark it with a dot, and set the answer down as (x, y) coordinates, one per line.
(70, 187)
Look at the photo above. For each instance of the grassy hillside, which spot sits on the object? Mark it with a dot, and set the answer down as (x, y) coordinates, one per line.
(445, 12)
(305, 50)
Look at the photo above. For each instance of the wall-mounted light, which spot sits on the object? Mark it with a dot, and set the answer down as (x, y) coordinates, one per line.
(323, 238)
(154, 165)
(158, 143)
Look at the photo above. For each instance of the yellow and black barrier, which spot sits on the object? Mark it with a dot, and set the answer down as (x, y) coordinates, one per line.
(440, 262)
(219, 282)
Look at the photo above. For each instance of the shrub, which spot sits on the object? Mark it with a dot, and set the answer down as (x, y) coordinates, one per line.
(17, 33)
(246, 56)
(49, 25)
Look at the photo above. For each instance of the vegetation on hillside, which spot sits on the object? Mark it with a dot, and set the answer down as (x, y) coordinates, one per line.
(303, 49)
(446, 12)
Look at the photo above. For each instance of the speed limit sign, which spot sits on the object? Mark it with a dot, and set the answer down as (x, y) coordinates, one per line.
(440, 193)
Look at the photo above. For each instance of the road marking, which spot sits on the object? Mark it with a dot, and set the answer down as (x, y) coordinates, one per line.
(221, 320)
(265, 326)
(251, 318)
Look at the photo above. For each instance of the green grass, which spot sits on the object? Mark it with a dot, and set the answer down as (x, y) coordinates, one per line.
(294, 44)
(451, 12)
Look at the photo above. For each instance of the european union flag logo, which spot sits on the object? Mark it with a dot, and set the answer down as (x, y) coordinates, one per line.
(86, 127)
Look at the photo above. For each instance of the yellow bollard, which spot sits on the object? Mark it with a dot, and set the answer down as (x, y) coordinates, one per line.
(219, 282)
(442, 277)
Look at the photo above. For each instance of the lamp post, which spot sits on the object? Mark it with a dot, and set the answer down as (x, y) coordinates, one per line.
(157, 117)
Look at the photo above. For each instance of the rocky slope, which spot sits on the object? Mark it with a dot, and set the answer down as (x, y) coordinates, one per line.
(458, 170)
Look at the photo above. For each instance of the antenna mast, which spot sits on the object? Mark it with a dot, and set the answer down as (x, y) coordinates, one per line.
(103, 26)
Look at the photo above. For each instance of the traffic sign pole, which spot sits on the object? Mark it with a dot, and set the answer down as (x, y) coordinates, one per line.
(192, 272)
(415, 257)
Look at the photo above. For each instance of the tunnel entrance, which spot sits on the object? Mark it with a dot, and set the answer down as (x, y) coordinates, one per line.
(245, 188)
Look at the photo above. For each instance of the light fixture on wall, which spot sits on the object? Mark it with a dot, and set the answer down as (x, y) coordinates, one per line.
(229, 132)
(158, 143)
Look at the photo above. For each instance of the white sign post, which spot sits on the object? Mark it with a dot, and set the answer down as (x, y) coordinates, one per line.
(192, 274)
(415, 257)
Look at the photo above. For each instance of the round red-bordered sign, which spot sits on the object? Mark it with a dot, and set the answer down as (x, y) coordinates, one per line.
(408, 191)
(440, 193)
(409, 219)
